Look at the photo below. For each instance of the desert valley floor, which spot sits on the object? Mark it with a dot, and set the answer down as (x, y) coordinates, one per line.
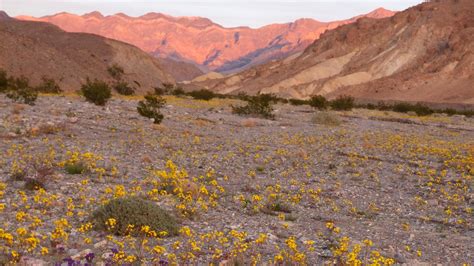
(381, 186)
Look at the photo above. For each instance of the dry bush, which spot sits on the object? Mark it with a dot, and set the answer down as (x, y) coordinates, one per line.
(326, 118)
(46, 129)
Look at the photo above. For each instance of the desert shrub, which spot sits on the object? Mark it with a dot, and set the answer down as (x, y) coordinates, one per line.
(33, 184)
(116, 71)
(369, 106)
(159, 91)
(243, 96)
(133, 211)
(448, 111)
(151, 106)
(123, 88)
(422, 110)
(19, 90)
(203, 94)
(326, 118)
(297, 102)
(260, 106)
(178, 91)
(48, 85)
(318, 102)
(402, 107)
(418, 108)
(97, 92)
(3, 81)
(342, 103)
(75, 168)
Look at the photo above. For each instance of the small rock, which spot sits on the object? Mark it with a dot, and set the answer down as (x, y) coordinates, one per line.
(399, 258)
(72, 251)
(31, 261)
(107, 255)
(415, 263)
(100, 244)
(81, 254)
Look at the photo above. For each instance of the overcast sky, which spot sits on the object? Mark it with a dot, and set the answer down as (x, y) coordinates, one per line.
(228, 13)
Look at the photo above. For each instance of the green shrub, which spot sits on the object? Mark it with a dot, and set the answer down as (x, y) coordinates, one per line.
(203, 94)
(116, 71)
(178, 91)
(402, 107)
(133, 211)
(318, 102)
(418, 108)
(19, 90)
(243, 96)
(97, 92)
(297, 102)
(151, 106)
(326, 118)
(343, 103)
(3, 81)
(260, 106)
(48, 85)
(75, 168)
(123, 88)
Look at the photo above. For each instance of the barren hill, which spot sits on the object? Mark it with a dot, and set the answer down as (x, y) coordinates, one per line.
(200, 40)
(36, 49)
(425, 53)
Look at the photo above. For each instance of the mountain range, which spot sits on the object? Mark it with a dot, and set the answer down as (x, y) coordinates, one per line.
(199, 40)
(425, 53)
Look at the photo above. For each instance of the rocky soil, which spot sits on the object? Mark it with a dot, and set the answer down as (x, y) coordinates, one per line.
(397, 187)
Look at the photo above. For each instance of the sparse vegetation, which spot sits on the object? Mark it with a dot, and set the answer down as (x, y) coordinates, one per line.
(48, 85)
(178, 91)
(33, 184)
(418, 108)
(259, 106)
(270, 171)
(326, 118)
(203, 94)
(116, 72)
(342, 103)
(96, 91)
(318, 102)
(117, 215)
(75, 168)
(297, 102)
(19, 90)
(3, 81)
(151, 106)
(123, 88)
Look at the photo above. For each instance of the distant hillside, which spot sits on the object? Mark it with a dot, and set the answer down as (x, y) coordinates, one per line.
(200, 40)
(36, 49)
(425, 53)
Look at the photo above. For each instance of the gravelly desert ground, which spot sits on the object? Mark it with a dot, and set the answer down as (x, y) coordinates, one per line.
(381, 186)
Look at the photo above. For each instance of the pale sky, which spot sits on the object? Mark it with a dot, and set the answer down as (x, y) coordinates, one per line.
(229, 13)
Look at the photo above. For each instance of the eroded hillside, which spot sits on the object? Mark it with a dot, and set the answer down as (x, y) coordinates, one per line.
(425, 53)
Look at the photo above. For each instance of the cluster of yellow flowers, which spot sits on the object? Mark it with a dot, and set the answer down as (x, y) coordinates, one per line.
(193, 194)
